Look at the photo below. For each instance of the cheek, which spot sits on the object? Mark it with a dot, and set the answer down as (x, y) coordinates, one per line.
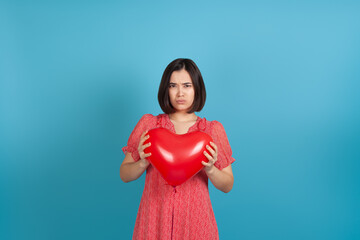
(171, 94)
(191, 97)
(192, 92)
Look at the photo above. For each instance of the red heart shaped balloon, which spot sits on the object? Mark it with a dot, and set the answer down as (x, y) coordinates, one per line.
(177, 157)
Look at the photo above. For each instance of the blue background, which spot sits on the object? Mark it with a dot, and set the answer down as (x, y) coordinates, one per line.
(283, 78)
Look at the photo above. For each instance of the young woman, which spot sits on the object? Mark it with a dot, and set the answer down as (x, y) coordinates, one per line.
(184, 211)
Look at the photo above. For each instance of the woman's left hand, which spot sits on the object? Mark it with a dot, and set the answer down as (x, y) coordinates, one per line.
(212, 159)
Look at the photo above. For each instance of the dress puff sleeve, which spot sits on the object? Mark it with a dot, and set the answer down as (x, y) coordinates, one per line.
(224, 157)
(134, 139)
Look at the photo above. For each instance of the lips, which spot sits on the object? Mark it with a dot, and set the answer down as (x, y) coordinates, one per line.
(180, 101)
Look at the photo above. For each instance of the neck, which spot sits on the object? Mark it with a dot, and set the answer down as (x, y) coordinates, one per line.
(182, 117)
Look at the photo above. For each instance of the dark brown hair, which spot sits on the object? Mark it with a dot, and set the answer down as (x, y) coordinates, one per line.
(198, 83)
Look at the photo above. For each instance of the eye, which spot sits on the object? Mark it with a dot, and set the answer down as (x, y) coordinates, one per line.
(187, 85)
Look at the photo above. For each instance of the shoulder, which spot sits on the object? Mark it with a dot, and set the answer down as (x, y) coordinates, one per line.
(210, 126)
(147, 118)
(151, 119)
(217, 128)
(216, 124)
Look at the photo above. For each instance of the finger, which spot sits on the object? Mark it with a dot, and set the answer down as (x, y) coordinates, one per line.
(214, 146)
(205, 164)
(143, 138)
(142, 146)
(143, 134)
(211, 159)
(144, 155)
(212, 151)
(207, 155)
(145, 145)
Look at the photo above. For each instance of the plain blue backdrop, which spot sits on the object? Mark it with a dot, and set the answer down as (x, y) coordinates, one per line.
(282, 77)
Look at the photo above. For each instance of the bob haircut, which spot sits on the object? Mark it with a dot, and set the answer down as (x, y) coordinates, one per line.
(197, 80)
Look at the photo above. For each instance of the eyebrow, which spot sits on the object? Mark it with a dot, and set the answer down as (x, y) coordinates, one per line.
(183, 83)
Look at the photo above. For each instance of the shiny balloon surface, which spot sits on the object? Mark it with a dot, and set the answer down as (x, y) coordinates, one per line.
(177, 157)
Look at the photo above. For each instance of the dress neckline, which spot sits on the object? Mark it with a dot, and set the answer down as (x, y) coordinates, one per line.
(173, 126)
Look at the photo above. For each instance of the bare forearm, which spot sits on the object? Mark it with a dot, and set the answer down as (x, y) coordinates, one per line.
(221, 180)
(132, 171)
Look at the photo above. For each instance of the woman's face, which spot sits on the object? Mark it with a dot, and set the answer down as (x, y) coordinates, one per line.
(181, 90)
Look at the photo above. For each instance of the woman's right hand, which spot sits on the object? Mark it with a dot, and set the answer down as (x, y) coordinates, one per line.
(145, 163)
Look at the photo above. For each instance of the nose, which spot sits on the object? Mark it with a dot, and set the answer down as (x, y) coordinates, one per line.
(180, 91)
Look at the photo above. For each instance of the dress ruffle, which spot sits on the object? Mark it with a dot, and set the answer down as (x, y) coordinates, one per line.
(163, 120)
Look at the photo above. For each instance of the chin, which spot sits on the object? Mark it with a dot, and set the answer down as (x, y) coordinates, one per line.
(182, 109)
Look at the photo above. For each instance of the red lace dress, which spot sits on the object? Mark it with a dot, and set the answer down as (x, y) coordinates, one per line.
(181, 212)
